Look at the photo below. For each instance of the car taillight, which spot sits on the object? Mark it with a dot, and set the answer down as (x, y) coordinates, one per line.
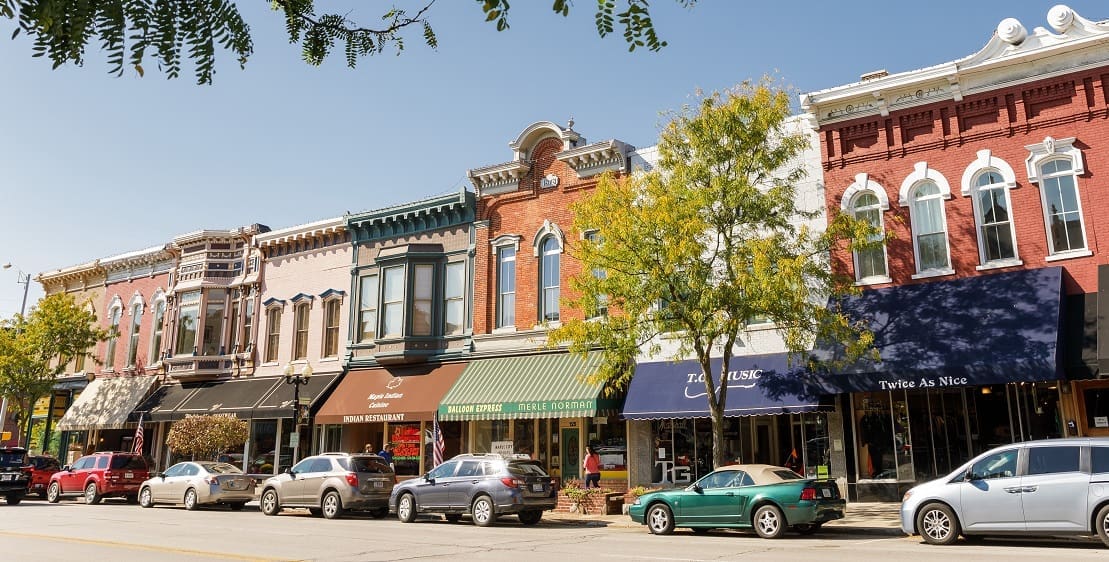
(212, 480)
(110, 475)
(510, 482)
(352, 479)
(808, 494)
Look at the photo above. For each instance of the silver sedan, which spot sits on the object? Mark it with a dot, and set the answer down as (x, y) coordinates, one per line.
(197, 483)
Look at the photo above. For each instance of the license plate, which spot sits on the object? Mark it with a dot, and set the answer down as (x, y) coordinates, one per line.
(128, 474)
(537, 487)
(379, 484)
(826, 493)
(7, 477)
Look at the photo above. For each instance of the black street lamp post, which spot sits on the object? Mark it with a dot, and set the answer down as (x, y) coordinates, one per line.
(297, 380)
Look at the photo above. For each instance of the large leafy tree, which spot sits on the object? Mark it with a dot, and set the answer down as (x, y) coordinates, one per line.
(207, 436)
(177, 30)
(711, 238)
(29, 346)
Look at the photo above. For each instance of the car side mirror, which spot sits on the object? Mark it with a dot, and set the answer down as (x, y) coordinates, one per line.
(291, 472)
(970, 476)
(161, 475)
(429, 478)
(64, 468)
(697, 488)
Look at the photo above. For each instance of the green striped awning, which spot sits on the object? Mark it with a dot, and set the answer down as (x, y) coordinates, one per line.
(547, 385)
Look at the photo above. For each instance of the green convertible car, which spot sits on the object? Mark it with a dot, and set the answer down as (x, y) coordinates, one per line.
(768, 498)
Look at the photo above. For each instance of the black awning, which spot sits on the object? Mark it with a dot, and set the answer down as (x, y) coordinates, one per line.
(235, 397)
(279, 402)
(161, 404)
(987, 329)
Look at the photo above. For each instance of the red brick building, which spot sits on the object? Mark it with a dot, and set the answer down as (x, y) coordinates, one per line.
(982, 171)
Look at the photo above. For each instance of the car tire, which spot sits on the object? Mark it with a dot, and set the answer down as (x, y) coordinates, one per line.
(332, 505)
(1101, 523)
(237, 506)
(406, 508)
(769, 522)
(530, 517)
(14, 499)
(190, 500)
(269, 504)
(379, 513)
(936, 524)
(483, 511)
(660, 520)
(53, 492)
(452, 517)
(807, 528)
(146, 497)
(92, 497)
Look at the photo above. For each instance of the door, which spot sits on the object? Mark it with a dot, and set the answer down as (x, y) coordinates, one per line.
(464, 483)
(292, 490)
(162, 488)
(69, 481)
(569, 453)
(1054, 490)
(719, 500)
(990, 495)
(434, 490)
(180, 481)
(312, 483)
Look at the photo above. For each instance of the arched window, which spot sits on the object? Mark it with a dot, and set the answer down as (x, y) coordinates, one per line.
(929, 228)
(550, 252)
(995, 222)
(133, 336)
(114, 314)
(870, 264)
(1055, 165)
(300, 330)
(156, 330)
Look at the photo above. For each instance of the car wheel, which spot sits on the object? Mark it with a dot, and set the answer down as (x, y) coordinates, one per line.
(332, 505)
(807, 528)
(53, 492)
(700, 530)
(452, 517)
(379, 513)
(92, 497)
(406, 508)
(14, 499)
(530, 517)
(146, 498)
(660, 521)
(190, 500)
(937, 524)
(237, 506)
(1102, 524)
(769, 522)
(269, 503)
(483, 512)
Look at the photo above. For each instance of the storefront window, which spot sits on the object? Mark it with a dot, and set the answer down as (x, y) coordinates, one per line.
(609, 437)
(523, 437)
(878, 436)
(405, 438)
(263, 446)
(488, 432)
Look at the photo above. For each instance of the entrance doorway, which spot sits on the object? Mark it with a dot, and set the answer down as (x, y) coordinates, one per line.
(569, 442)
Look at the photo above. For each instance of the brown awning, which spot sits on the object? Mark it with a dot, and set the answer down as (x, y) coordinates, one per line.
(389, 394)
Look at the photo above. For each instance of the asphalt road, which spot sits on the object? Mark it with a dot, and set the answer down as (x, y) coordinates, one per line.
(69, 531)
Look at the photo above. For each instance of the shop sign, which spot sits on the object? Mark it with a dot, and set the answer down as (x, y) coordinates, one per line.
(1101, 421)
(539, 406)
(294, 439)
(503, 448)
(370, 418)
(406, 442)
(747, 378)
(924, 382)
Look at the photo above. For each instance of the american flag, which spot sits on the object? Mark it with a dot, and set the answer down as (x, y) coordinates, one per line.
(137, 443)
(439, 446)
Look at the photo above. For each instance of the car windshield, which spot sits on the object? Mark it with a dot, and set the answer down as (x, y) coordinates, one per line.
(374, 465)
(12, 459)
(526, 469)
(220, 468)
(128, 462)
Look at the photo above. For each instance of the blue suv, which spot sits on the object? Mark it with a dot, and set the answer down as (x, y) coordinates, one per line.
(484, 486)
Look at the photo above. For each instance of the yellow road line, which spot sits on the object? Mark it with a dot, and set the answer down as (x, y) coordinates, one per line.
(152, 548)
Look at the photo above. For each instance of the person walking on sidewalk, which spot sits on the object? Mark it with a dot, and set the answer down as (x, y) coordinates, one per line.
(592, 466)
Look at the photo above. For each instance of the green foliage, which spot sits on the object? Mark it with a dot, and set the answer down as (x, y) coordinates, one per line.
(191, 30)
(56, 327)
(710, 239)
(206, 436)
(641, 491)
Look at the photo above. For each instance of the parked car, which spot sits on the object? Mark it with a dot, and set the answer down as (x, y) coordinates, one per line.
(42, 468)
(1047, 487)
(330, 484)
(198, 483)
(100, 475)
(768, 498)
(484, 486)
(13, 474)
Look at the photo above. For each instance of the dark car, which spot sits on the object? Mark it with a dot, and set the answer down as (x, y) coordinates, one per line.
(42, 468)
(483, 486)
(100, 475)
(13, 474)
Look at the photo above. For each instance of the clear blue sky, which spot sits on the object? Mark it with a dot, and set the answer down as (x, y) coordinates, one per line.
(93, 165)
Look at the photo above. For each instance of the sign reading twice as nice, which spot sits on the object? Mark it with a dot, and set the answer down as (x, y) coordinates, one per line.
(924, 382)
(520, 407)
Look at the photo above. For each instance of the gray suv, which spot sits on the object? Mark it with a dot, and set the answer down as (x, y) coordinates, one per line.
(330, 484)
(483, 486)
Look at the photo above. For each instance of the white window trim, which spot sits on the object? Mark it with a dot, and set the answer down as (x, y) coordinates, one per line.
(113, 342)
(505, 240)
(159, 296)
(324, 302)
(987, 162)
(507, 328)
(923, 174)
(548, 229)
(863, 184)
(542, 292)
(1041, 153)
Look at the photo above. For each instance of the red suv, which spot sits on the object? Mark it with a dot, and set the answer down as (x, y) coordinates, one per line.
(42, 468)
(100, 475)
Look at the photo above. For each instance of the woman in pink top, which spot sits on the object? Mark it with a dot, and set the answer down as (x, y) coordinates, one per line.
(592, 465)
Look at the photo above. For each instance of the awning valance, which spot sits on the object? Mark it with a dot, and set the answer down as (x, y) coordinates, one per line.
(160, 405)
(235, 397)
(389, 394)
(987, 329)
(547, 385)
(106, 403)
(279, 403)
(667, 389)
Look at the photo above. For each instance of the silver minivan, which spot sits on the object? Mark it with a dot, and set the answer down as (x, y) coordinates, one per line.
(1049, 487)
(330, 484)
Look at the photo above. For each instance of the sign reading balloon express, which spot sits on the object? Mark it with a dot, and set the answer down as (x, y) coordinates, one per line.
(537, 406)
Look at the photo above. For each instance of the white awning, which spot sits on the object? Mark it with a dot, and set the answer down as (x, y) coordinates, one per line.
(106, 403)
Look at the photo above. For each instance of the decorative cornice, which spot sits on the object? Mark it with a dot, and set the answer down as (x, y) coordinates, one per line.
(593, 159)
(996, 64)
(272, 301)
(505, 178)
(436, 213)
(138, 258)
(499, 178)
(241, 233)
(301, 297)
(75, 272)
(332, 293)
(307, 231)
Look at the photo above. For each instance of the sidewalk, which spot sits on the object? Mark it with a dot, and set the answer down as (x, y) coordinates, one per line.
(878, 518)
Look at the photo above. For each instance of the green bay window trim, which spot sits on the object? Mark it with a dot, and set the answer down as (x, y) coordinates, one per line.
(273, 333)
(332, 309)
(392, 302)
(300, 330)
(454, 298)
(187, 316)
(506, 286)
(367, 308)
(423, 278)
(133, 336)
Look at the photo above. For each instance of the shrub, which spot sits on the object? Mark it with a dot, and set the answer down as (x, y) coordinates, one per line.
(206, 436)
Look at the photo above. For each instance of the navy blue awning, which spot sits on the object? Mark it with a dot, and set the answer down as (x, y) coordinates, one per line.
(986, 329)
(676, 390)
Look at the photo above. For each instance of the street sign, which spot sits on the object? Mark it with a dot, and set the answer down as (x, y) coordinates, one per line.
(294, 439)
(305, 400)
